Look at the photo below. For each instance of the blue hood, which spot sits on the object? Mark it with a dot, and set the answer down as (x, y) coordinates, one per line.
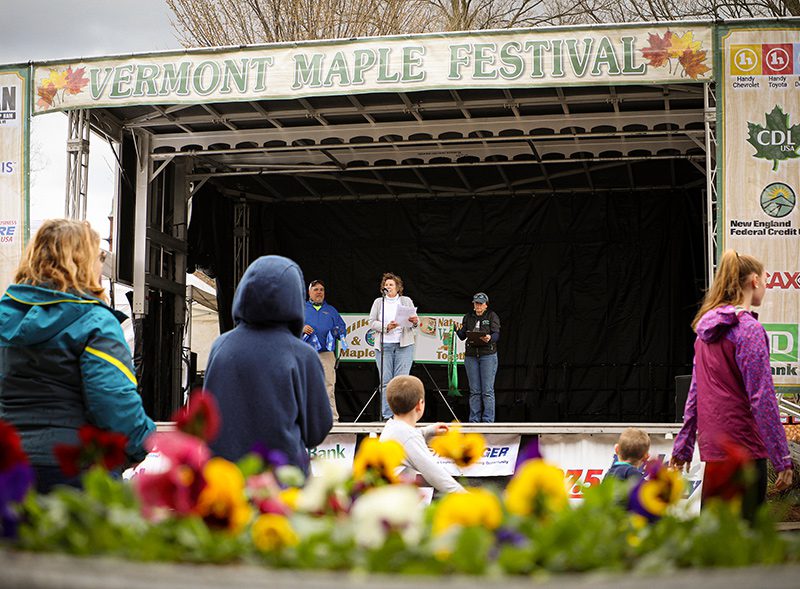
(31, 315)
(271, 292)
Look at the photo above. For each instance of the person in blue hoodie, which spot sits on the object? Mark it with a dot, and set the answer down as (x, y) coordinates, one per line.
(64, 362)
(324, 327)
(269, 385)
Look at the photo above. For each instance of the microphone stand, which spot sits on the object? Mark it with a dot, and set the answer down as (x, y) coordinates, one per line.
(380, 367)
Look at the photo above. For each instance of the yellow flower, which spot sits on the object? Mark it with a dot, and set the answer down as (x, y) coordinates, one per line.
(273, 532)
(222, 503)
(476, 507)
(463, 449)
(289, 497)
(56, 78)
(378, 457)
(661, 491)
(537, 489)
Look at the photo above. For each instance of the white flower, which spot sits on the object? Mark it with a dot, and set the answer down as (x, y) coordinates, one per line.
(394, 507)
(330, 478)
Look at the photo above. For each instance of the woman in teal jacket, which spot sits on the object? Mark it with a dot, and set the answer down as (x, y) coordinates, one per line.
(64, 361)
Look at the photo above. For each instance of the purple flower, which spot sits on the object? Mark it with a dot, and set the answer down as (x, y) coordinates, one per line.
(14, 485)
(271, 458)
(530, 452)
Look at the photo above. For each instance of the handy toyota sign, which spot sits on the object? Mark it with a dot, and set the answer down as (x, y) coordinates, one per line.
(503, 59)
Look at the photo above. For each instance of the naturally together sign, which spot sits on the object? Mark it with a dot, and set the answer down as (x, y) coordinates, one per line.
(507, 59)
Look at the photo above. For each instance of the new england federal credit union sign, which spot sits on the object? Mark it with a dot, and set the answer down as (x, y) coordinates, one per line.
(657, 53)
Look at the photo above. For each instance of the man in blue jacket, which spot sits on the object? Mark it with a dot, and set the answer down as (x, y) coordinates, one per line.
(269, 385)
(324, 326)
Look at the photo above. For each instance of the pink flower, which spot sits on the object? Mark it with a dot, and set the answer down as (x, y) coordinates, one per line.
(179, 486)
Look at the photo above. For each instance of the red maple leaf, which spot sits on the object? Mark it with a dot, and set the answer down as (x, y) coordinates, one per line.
(75, 80)
(658, 51)
(693, 63)
(46, 95)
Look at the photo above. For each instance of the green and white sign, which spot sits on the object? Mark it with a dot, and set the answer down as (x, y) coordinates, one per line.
(501, 59)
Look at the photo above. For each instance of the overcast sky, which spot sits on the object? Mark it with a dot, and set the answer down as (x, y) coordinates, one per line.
(33, 30)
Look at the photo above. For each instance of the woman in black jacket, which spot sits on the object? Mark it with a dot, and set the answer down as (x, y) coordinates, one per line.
(481, 329)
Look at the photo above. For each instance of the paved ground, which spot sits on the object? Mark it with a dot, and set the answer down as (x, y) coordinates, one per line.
(55, 571)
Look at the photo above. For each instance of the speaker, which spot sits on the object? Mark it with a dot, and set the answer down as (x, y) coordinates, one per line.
(682, 384)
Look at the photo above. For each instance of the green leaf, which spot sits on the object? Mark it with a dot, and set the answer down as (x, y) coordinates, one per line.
(777, 124)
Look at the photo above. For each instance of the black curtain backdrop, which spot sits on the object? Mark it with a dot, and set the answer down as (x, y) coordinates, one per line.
(595, 292)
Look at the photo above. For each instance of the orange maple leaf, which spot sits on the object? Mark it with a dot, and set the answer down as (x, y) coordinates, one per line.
(693, 63)
(658, 51)
(75, 80)
(46, 93)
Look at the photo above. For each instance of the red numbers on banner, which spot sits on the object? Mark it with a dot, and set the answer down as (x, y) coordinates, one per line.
(579, 482)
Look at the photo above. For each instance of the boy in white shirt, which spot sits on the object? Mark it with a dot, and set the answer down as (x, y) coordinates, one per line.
(406, 398)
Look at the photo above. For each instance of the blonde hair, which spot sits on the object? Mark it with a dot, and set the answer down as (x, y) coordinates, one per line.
(733, 272)
(403, 393)
(633, 444)
(62, 256)
(398, 282)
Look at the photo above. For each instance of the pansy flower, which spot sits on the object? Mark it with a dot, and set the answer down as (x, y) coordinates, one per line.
(475, 507)
(463, 449)
(222, 502)
(97, 447)
(16, 478)
(652, 496)
(376, 461)
(200, 417)
(537, 489)
(272, 532)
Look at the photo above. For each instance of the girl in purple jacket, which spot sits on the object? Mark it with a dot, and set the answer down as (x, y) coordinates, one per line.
(731, 407)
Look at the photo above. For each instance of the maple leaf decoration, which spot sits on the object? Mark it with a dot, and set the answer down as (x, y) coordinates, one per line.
(46, 94)
(692, 62)
(678, 45)
(776, 120)
(75, 82)
(657, 53)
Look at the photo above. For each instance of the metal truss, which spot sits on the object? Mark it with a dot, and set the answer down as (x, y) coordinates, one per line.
(78, 132)
(241, 240)
(712, 201)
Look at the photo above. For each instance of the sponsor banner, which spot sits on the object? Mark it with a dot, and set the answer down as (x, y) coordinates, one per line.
(498, 459)
(760, 179)
(13, 170)
(337, 447)
(585, 459)
(431, 346)
(502, 59)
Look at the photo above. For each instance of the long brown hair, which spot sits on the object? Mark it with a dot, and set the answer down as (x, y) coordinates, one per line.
(62, 256)
(728, 287)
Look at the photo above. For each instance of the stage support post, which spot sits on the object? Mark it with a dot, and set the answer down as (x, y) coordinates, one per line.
(710, 120)
(78, 132)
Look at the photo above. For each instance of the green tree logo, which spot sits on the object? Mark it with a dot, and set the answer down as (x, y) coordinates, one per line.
(777, 141)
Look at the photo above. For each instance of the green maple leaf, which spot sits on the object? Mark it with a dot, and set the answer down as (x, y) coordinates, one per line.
(776, 120)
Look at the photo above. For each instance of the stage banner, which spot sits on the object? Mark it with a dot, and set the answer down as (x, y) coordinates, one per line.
(498, 459)
(431, 346)
(340, 448)
(585, 459)
(516, 58)
(760, 174)
(14, 134)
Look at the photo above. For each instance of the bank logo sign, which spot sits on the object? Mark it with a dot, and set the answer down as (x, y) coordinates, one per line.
(783, 341)
(778, 200)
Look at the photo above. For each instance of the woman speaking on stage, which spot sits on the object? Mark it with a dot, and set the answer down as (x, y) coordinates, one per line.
(394, 343)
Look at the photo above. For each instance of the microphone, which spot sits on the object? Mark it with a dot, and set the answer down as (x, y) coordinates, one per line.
(384, 290)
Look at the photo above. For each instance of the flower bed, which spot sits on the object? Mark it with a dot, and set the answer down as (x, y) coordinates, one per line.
(205, 509)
